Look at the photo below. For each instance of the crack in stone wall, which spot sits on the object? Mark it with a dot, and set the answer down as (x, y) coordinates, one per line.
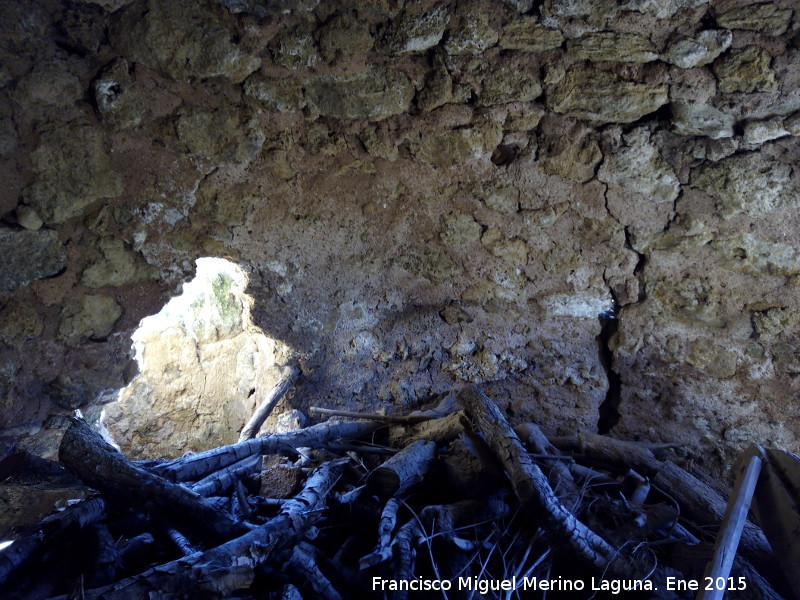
(421, 193)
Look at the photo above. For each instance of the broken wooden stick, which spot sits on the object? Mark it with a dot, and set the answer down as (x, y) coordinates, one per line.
(73, 517)
(731, 530)
(697, 500)
(221, 480)
(531, 486)
(383, 551)
(196, 466)
(224, 569)
(408, 536)
(607, 451)
(252, 427)
(404, 469)
(404, 419)
(180, 541)
(704, 506)
(102, 467)
(303, 562)
(559, 477)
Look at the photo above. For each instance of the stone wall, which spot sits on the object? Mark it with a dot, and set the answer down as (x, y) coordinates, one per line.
(591, 207)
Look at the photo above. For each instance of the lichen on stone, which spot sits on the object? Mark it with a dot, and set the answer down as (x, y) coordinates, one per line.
(90, 317)
(603, 97)
(698, 50)
(773, 321)
(374, 93)
(294, 48)
(119, 102)
(760, 257)
(508, 84)
(278, 94)
(473, 35)
(415, 32)
(747, 183)
(343, 38)
(438, 89)
(433, 264)
(181, 38)
(28, 256)
(612, 47)
(457, 146)
(765, 17)
(502, 197)
(512, 250)
(712, 359)
(119, 266)
(745, 70)
(638, 166)
(458, 229)
(51, 83)
(697, 118)
(73, 171)
(223, 136)
(529, 35)
(568, 150)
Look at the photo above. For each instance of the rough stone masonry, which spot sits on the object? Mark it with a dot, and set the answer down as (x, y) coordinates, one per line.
(421, 193)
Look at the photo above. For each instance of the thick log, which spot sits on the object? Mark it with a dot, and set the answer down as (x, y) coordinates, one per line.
(102, 467)
(197, 466)
(610, 452)
(136, 551)
(219, 572)
(403, 470)
(590, 477)
(441, 410)
(697, 500)
(180, 541)
(731, 529)
(446, 520)
(243, 507)
(532, 488)
(702, 505)
(73, 517)
(106, 559)
(288, 377)
(221, 480)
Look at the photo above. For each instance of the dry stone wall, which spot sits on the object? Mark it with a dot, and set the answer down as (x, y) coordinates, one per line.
(589, 206)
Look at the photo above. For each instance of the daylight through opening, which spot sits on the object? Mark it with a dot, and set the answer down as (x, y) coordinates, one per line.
(203, 367)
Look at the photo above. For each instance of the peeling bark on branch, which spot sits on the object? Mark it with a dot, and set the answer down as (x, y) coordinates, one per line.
(383, 551)
(222, 570)
(531, 486)
(99, 465)
(288, 377)
(220, 481)
(403, 470)
(200, 465)
(470, 525)
(79, 515)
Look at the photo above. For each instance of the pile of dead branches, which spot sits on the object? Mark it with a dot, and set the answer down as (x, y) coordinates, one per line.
(444, 503)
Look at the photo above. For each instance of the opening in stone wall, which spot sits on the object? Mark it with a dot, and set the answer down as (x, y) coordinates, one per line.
(203, 368)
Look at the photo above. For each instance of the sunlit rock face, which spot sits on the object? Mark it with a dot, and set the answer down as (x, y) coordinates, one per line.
(203, 369)
(420, 194)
